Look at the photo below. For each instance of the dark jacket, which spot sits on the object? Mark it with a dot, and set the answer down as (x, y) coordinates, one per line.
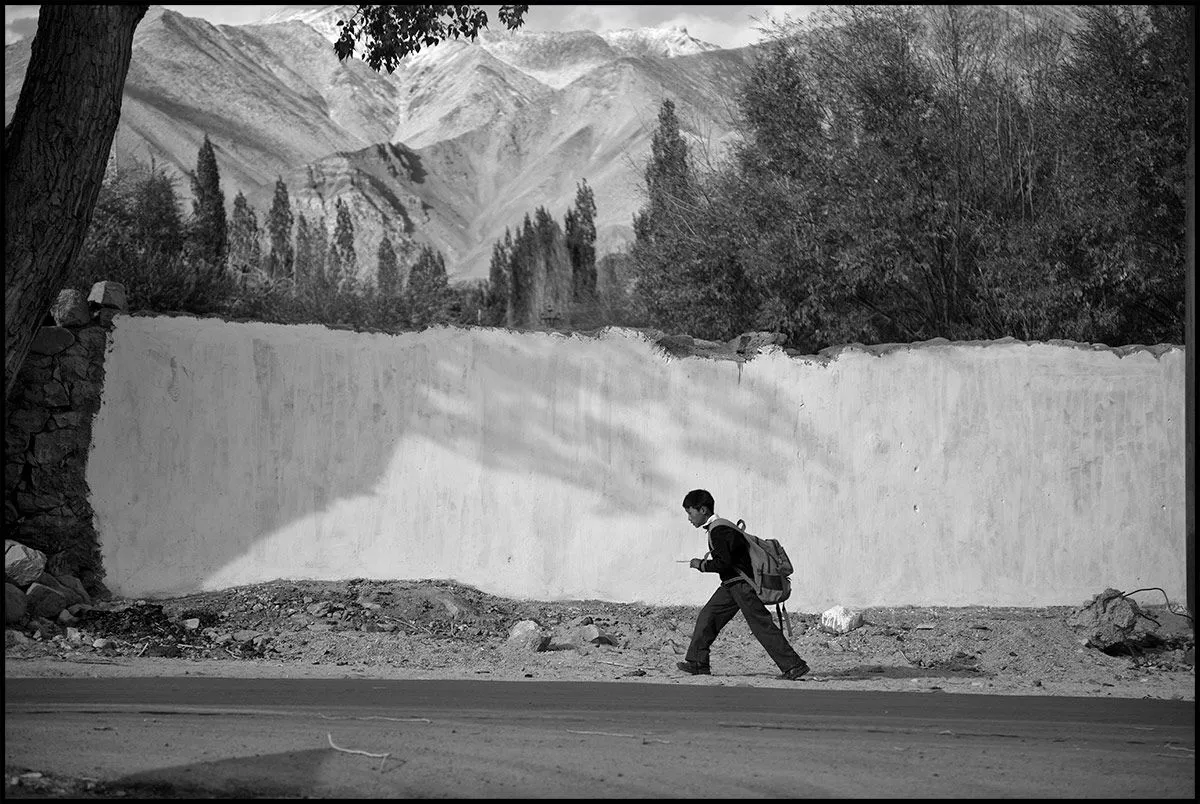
(729, 553)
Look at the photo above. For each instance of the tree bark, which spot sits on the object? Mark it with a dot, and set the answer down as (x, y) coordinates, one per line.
(55, 153)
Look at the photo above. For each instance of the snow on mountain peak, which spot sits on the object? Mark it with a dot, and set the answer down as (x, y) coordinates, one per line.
(323, 19)
(669, 41)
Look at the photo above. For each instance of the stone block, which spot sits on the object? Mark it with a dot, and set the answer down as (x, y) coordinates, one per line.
(22, 564)
(105, 316)
(45, 601)
(751, 342)
(39, 501)
(14, 604)
(70, 419)
(16, 444)
(94, 339)
(75, 586)
(72, 367)
(29, 420)
(51, 394)
(70, 595)
(70, 309)
(108, 294)
(50, 449)
(51, 340)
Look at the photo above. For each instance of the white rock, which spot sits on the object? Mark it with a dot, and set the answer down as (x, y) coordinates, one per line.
(527, 635)
(840, 620)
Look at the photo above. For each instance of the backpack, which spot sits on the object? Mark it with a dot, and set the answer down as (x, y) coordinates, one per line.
(771, 570)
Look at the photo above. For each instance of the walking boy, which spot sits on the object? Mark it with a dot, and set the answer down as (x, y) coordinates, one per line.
(729, 554)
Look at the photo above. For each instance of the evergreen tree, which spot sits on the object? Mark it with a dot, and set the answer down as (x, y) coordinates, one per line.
(580, 227)
(303, 265)
(468, 303)
(157, 223)
(495, 296)
(521, 288)
(319, 234)
(428, 289)
(538, 275)
(670, 182)
(279, 231)
(666, 241)
(342, 262)
(245, 250)
(388, 268)
(207, 236)
(551, 271)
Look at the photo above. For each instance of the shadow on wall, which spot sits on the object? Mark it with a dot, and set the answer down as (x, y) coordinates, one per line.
(225, 435)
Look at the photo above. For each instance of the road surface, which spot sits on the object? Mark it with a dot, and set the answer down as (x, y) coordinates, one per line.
(323, 738)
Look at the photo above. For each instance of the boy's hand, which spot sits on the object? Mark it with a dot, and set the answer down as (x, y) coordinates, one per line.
(695, 563)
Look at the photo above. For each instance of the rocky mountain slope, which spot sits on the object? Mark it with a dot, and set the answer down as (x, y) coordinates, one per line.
(456, 146)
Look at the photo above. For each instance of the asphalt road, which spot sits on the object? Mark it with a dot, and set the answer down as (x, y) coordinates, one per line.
(321, 738)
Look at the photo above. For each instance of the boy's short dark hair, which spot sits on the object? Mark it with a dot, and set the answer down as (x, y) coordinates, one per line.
(699, 498)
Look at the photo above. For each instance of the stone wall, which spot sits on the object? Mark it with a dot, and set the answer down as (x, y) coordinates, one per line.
(48, 432)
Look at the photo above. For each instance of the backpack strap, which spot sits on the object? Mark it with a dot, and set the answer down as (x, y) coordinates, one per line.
(785, 622)
(740, 527)
(710, 526)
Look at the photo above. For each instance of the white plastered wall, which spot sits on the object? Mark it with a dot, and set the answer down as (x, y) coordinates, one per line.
(544, 466)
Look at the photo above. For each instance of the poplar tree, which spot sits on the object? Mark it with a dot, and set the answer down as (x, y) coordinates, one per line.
(428, 289)
(342, 263)
(666, 242)
(157, 222)
(520, 272)
(580, 225)
(280, 257)
(303, 264)
(388, 268)
(207, 235)
(495, 299)
(551, 271)
(319, 234)
(245, 251)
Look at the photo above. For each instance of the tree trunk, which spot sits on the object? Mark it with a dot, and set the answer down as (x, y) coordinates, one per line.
(55, 153)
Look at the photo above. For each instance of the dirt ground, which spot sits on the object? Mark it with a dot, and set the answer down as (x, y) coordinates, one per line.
(444, 630)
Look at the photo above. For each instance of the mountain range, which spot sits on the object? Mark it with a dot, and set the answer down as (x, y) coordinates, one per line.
(456, 146)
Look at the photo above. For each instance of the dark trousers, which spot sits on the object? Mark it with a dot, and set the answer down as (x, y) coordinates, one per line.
(719, 610)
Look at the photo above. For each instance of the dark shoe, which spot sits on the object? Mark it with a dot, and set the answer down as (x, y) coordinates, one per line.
(694, 669)
(793, 673)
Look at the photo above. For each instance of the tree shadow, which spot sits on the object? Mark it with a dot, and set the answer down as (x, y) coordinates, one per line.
(229, 442)
(292, 774)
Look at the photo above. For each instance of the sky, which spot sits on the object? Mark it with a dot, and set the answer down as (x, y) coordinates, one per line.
(725, 26)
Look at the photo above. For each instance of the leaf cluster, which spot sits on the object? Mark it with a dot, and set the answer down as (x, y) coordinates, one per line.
(391, 32)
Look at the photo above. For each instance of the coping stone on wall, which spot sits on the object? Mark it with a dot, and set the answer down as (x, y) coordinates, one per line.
(882, 349)
(741, 348)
